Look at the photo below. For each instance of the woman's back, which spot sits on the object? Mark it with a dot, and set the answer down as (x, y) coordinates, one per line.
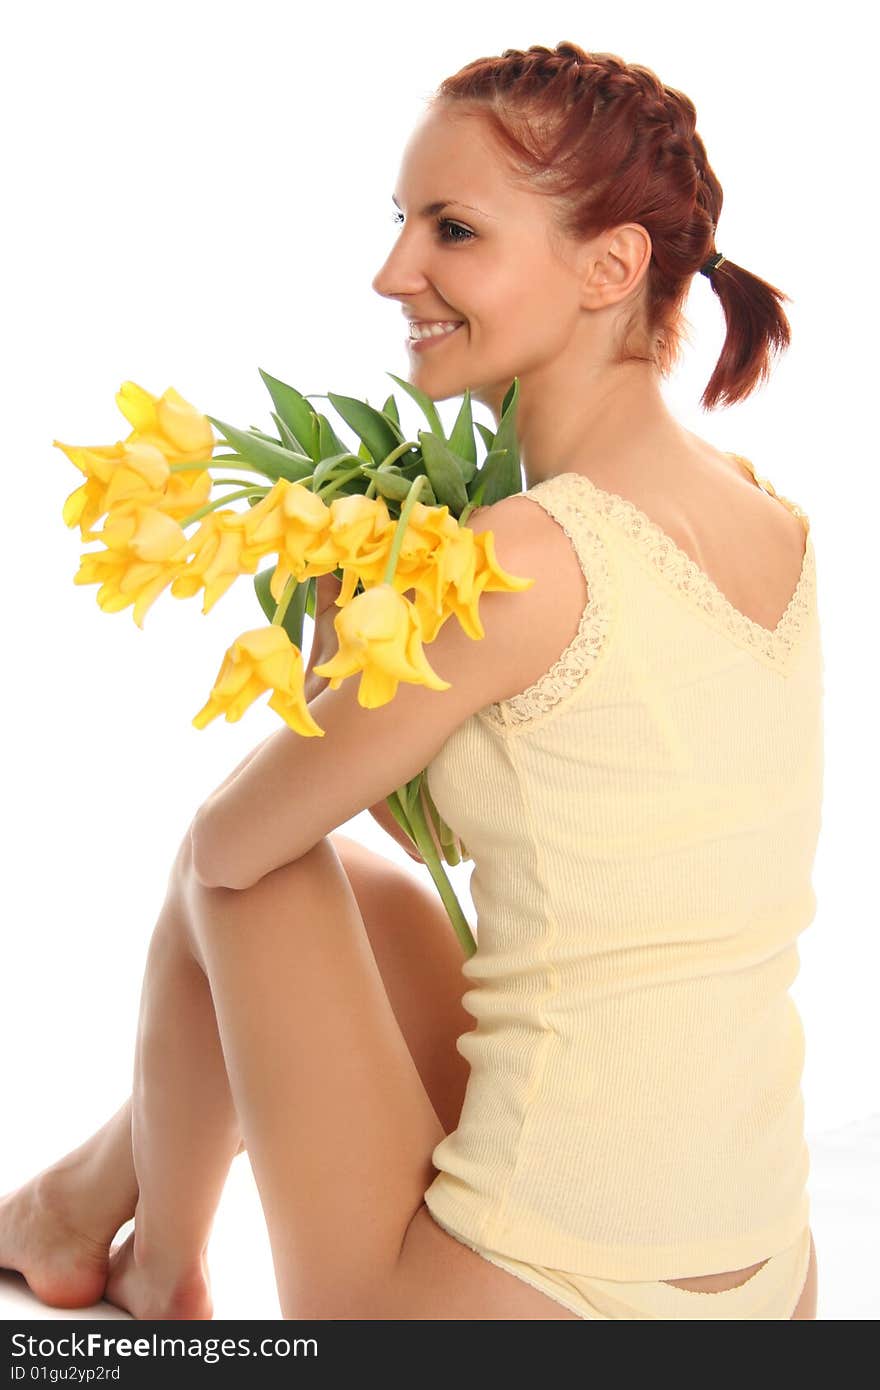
(747, 540)
(642, 820)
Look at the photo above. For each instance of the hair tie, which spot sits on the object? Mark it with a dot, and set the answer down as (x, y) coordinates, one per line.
(712, 264)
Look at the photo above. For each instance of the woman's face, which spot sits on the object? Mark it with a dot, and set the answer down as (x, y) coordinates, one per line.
(485, 257)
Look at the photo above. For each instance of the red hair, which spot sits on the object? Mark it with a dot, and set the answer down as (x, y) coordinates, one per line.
(611, 144)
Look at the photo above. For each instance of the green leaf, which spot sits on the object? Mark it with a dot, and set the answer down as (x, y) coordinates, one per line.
(506, 438)
(288, 438)
(390, 409)
(328, 440)
(294, 410)
(444, 473)
(267, 455)
(371, 426)
(391, 484)
(511, 397)
(261, 585)
(299, 604)
(332, 464)
(425, 402)
(490, 484)
(461, 440)
(488, 435)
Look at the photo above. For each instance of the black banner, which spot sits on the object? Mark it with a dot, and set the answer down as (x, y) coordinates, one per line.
(260, 1353)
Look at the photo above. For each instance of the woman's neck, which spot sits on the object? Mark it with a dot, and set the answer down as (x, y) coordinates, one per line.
(611, 427)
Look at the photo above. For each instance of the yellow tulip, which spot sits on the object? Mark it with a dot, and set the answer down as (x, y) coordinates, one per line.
(292, 521)
(380, 635)
(421, 559)
(463, 595)
(360, 533)
(144, 551)
(220, 555)
(497, 578)
(123, 472)
(359, 525)
(447, 570)
(259, 660)
(182, 433)
(449, 566)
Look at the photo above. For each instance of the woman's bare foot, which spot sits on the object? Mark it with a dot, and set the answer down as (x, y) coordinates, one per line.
(151, 1292)
(43, 1237)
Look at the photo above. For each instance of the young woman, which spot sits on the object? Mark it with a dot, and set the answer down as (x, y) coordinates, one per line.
(632, 754)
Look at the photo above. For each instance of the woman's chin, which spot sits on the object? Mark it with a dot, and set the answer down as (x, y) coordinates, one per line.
(437, 385)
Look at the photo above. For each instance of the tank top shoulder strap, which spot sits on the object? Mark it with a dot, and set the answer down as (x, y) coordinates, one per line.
(571, 510)
(767, 486)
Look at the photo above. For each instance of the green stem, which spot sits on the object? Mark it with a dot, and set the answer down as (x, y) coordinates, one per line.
(284, 602)
(400, 529)
(428, 850)
(392, 458)
(336, 482)
(397, 453)
(235, 482)
(444, 833)
(395, 806)
(221, 501)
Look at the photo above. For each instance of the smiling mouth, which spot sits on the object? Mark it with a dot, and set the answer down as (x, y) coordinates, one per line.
(435, 336)
(420, 328)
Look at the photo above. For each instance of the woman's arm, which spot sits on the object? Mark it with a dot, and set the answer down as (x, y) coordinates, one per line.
(323, 646)
(241, 766)
(296, 790)
(312, 687)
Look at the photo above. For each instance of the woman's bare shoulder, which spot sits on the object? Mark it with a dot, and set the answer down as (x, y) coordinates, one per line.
(534, 626)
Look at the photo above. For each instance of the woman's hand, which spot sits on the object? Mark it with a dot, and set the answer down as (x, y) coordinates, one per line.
(381, 813)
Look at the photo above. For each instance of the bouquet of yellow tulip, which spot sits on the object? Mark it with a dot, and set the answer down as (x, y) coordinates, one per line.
(386, 520)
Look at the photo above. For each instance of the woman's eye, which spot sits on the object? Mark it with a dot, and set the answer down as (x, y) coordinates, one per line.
(444, 227)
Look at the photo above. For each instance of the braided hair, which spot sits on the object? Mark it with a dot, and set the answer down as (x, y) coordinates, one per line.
(609, 143)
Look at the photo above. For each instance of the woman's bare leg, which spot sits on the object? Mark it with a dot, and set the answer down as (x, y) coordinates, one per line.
(179, 1135)
(184, 1128)
(56, 1228)
(86, 1196)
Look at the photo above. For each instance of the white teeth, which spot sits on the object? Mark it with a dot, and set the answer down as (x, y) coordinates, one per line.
(432, 330)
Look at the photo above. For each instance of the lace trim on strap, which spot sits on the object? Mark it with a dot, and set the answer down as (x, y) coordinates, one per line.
(683, 573)
(568, 671)
(766, 486)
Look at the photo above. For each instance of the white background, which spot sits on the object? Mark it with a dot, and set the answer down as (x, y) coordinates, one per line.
(195, 191)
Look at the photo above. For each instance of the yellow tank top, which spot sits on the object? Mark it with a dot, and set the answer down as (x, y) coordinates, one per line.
(643, 821)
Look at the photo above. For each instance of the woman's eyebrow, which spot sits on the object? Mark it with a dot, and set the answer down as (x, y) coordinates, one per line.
(430, 209)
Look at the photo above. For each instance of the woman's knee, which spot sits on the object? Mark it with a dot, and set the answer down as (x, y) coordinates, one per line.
(181, 864)
(178, 911)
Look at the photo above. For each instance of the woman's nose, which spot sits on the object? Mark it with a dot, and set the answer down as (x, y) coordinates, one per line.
(400, 276)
